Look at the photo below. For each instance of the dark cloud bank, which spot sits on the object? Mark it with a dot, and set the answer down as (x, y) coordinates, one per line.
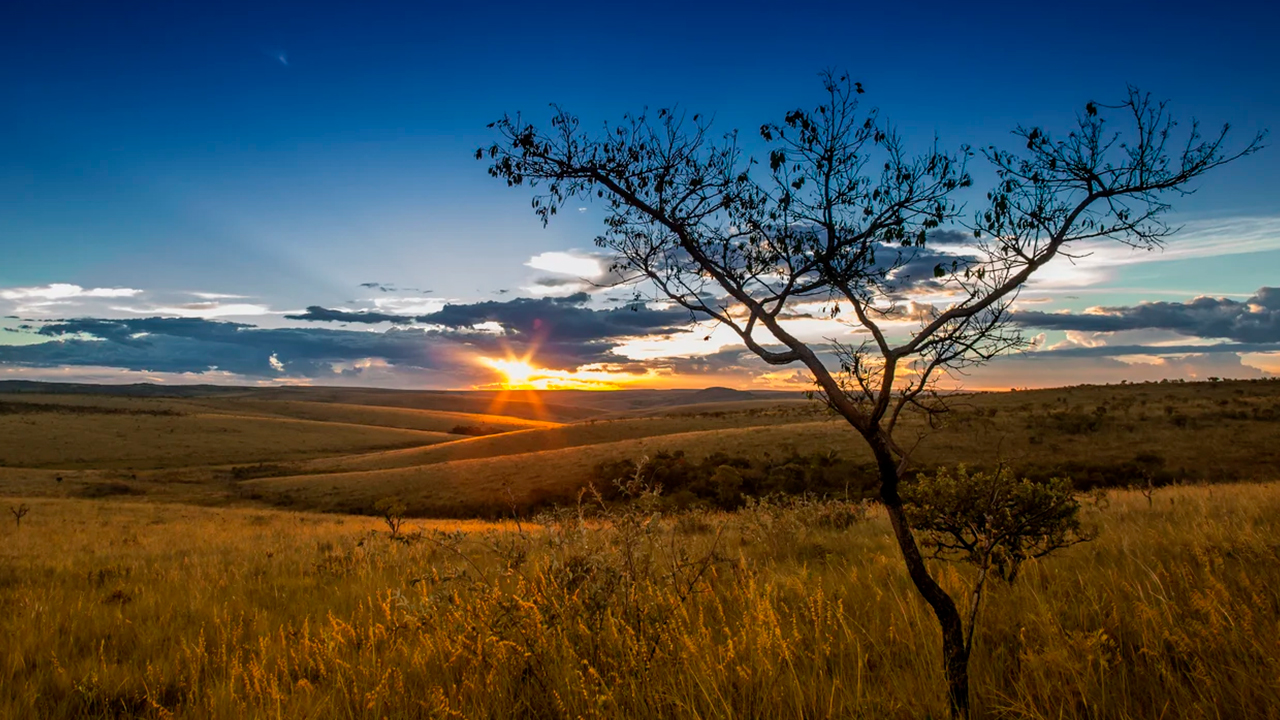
(1255, 321)
(563, 332)
(184, 345)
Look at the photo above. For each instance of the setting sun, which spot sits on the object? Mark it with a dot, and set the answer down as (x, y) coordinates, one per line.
(521, 374)
(517, 373)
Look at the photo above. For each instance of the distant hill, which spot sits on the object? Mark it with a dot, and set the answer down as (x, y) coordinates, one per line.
(720, 394)
(134, 390)
(543, 405)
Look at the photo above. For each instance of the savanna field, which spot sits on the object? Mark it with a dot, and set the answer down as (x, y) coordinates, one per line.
(221, 554)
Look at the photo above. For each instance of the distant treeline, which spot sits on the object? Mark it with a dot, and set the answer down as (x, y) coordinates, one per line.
(20, 408)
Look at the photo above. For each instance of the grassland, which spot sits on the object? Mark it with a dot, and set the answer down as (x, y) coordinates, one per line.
(127, 609)
(342, 450)
(174, 562)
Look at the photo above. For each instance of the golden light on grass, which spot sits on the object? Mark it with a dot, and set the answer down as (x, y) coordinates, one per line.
(265, 613)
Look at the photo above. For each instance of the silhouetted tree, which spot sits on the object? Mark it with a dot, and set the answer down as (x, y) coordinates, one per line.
(841, 215)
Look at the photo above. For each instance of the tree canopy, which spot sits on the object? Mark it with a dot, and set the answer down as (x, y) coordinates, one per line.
(840, 212)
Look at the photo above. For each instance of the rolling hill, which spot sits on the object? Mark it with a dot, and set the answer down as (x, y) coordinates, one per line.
(343, 449)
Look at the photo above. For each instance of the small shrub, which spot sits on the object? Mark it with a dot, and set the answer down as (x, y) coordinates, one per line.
(993, 520)
(392, 510)
(473, 430)
(258, 470)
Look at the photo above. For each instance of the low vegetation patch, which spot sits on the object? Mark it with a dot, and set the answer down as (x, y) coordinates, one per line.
(107, 489)
(474, 430)
(727, 482)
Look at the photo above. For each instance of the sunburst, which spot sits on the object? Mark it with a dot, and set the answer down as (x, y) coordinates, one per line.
(521, 373)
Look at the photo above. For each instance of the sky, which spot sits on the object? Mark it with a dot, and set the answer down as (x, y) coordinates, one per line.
(286, 193)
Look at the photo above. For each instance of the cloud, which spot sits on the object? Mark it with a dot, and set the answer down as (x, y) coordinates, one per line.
(217, 296)
(315, 313)
(1255, 320)
(573, 271)
(560, 318)
(194, 345)
(1048, 369)
(1160, 350)
(65, 291)
(568, 263)
(66, 299)
(556, 282)
(207, 310)
(1099, 260)
(407, 306)
(950, 238)
(115, 376)
(56, 297)
(561, 332)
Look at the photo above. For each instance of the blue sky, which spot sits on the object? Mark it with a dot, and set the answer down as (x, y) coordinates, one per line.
(286, 154)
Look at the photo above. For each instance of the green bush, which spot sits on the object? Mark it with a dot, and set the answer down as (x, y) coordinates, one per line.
(993, 520)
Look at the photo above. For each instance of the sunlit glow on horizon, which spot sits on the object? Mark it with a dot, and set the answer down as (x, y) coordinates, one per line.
(522, 374)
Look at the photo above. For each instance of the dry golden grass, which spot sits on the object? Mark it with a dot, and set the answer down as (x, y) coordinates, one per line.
(129, 610)
(442, 421)
(74, 441)
(76, 432)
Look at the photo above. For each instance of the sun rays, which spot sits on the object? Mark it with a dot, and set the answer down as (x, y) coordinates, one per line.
(523, 374)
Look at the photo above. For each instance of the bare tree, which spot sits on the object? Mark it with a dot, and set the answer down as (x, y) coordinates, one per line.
(19, 512)
(841, 216)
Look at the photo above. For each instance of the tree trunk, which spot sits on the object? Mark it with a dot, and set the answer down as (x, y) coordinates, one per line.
(955, 655)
